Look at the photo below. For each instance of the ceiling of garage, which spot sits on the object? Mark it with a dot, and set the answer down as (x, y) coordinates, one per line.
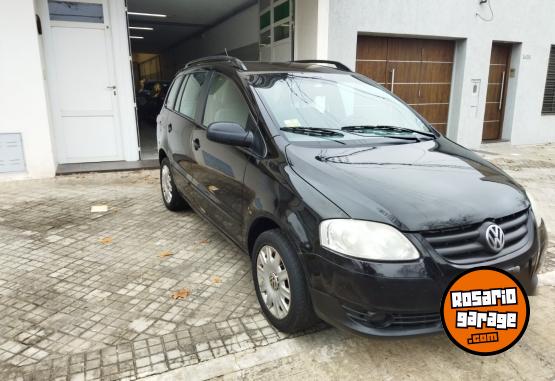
(185, 18)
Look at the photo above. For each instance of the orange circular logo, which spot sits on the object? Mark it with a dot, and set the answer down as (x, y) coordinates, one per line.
(485, 311)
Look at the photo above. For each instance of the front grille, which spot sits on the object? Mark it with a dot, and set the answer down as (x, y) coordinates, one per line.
(464, 244)
(393, 320)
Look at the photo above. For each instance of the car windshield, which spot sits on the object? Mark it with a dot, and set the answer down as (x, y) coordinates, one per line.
(334, 101)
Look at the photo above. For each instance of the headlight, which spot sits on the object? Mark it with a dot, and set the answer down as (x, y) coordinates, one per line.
(366, 240)
(535, 209)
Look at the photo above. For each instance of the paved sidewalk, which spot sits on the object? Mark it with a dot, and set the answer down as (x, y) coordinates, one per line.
(89, 295)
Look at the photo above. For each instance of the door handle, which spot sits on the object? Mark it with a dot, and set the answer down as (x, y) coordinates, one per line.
(196, 144)
(113, 87)
(392, 80)
(502, 89)
(170, 127)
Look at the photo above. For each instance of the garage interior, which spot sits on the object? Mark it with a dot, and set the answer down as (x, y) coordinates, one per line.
(166, 34)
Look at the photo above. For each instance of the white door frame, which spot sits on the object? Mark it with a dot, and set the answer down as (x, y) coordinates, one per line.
(58, 146)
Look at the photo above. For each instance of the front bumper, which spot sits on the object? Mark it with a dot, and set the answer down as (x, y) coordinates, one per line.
(400, 299)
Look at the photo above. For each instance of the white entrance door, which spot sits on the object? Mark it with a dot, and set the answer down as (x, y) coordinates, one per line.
(84, 92)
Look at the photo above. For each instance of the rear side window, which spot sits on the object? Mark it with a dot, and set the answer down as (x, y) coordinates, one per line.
(225, 103)
(190, 94)
(172, 95)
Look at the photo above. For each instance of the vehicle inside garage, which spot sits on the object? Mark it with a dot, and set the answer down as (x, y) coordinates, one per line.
(165, 35)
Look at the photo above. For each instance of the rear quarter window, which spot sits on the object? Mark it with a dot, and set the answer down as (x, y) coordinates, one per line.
(174, 90)
(190, 94)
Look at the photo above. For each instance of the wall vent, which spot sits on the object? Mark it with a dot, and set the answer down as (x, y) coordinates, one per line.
(11, 153)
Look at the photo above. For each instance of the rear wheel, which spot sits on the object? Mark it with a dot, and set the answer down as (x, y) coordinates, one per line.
(280, 283)
(172, 199)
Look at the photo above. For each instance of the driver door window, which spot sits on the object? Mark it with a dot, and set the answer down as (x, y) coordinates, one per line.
(225, 103)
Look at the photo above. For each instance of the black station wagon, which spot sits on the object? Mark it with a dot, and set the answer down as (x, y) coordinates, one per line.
(351, 206)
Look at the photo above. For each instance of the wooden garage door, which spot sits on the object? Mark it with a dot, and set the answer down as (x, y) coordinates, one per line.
(417, 70)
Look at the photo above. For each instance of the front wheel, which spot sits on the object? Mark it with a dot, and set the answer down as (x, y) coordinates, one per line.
(280, 283)
(172, 198)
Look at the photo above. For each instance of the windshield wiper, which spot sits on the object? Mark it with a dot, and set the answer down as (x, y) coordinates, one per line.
(386, 128)
(312, 131)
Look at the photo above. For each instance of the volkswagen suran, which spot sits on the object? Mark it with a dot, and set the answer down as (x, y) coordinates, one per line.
(352, 208)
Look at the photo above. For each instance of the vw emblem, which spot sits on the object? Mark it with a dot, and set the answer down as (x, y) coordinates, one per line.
(495, 238)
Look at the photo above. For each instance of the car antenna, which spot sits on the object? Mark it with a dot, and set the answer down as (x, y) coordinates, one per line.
(225, 49)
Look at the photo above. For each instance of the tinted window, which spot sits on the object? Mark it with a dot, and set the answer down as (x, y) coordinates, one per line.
(170, 102)
(225, 103)
(190, 94)
(72, 11)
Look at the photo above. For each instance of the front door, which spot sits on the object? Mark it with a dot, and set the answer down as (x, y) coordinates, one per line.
(218, 169)
(497, 90)
(83, 84)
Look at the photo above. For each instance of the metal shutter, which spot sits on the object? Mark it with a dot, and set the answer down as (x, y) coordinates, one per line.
(549, 95)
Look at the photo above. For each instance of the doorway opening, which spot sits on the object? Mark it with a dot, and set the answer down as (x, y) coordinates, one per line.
(165, 35)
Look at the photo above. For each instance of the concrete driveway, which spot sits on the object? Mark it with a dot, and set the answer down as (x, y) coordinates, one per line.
(131, 290)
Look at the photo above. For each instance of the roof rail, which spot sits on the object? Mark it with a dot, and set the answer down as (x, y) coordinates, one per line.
(233, 60)
(338, 65)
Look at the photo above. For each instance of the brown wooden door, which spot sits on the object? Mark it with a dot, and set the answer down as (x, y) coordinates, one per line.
(417, 70)
(497, 89)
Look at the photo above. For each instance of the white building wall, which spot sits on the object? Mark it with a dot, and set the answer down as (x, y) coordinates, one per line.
(311, 29)
(23, 102)
(529, 24)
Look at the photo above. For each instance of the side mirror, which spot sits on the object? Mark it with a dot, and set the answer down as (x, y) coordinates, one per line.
(229, 133)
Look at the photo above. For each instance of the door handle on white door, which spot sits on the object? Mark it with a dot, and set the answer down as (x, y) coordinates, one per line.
(113, 87)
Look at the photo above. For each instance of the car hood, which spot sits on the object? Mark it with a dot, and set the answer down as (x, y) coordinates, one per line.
(433, 184)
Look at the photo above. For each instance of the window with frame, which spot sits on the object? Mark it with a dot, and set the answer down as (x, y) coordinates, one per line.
(225, 103)
(190, 94)
(75, 11)
(549, 94)
(172, 95)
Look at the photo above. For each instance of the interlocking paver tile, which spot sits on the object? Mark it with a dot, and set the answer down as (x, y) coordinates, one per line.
(75, 308)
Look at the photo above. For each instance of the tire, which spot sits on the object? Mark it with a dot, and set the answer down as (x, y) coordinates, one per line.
(298, 314)
(171, 197)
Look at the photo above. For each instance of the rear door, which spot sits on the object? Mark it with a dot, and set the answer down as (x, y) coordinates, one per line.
(218, 169)
(181, 124)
